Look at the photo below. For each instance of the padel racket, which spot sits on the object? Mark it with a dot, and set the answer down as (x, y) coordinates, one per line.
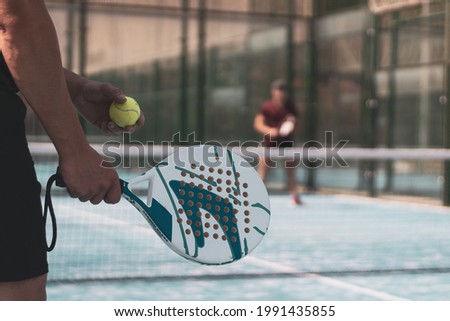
(205, 202)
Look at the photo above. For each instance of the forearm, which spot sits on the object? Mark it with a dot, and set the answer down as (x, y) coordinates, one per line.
(74, 83)
(30, 47)
(260, 126)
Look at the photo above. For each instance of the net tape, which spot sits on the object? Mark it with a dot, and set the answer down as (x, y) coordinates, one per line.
(296, 153)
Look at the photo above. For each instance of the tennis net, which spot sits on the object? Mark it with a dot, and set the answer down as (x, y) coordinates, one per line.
(329, 235)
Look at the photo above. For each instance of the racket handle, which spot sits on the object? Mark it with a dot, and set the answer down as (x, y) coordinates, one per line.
(59, 180)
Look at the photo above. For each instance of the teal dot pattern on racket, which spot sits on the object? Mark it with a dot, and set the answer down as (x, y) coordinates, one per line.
(200, 205)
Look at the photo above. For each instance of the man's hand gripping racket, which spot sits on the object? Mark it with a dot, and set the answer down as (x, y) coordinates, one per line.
(205, 202)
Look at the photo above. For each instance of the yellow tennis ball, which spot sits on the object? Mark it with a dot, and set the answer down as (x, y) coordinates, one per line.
(125, 114)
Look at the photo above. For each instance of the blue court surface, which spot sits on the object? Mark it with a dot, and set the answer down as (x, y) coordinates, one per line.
(334, 247)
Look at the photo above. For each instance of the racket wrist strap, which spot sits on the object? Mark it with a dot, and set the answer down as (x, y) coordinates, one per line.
(48, 209)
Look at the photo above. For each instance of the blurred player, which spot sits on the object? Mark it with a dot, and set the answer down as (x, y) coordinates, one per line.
(276, 121)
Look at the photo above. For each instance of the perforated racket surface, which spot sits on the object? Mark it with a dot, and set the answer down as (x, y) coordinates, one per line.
(205, 202)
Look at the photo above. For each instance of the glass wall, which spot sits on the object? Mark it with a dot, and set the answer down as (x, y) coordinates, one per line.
(340, 43)
(205, 67)
(195, 66)
(410, 77)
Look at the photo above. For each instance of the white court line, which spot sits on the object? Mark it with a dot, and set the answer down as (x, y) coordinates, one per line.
(326, 280)
(386, 201)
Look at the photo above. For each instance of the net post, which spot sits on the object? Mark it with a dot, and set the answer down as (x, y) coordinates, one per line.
(83, 12)
(389, 164)
(446, 129)
(310, 75)
(369, 104)
(183, 115)
(201, 70)
(290, 51)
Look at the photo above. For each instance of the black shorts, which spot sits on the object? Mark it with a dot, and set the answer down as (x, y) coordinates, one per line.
(23, 252)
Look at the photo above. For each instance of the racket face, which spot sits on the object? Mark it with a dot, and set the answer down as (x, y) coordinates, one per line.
(208, 204)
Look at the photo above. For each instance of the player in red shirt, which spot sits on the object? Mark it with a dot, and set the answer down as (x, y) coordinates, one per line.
(276, 121)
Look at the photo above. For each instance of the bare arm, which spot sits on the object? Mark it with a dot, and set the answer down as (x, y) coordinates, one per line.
(262, 128)
(93, 98)
(29, 44)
